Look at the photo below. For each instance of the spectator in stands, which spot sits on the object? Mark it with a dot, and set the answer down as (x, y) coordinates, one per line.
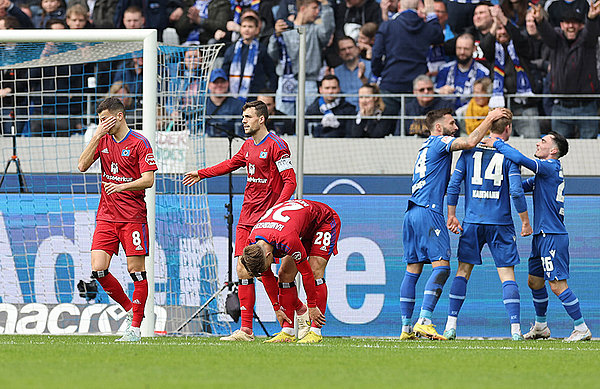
(354, 72)
(286, 10)
(247, 62)
(351, 14)
(457, 77)
(102, 12)
(366, 39)
(219, 105)
(133, 18)
(264, 8)
(436, 57)
(388, 9)
(573, 68)
(539, 54)
(196, 22)
(478, 107)
(184, 103)
(280, 126)
(511, 75)
(330, 106)
(77, 17)
(440, 9)
(152, 14)
(460, 14)
(480, 30)
(424, 102)
(283, 49)
(52, 9)
(515, 11)
(8, 8)
(557, 8)
(400, 50)
(370, 105)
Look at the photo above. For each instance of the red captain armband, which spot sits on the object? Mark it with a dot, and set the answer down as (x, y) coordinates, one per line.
(276, 307)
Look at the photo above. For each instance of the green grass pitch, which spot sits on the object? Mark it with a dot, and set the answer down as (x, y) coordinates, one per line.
(165, 362)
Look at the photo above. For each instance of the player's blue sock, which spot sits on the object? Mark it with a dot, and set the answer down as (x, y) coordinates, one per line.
(458, 292)
(512, 301)
(540, 303)
(407, 297)
(433, 290)
(571, 304)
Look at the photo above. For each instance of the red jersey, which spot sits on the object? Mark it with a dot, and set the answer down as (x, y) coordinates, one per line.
(271, 178)
(121, 162)
(290, 227)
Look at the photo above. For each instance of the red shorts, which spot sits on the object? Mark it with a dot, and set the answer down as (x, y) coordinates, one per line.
(324, 241)
(132, 236)
(242, 233)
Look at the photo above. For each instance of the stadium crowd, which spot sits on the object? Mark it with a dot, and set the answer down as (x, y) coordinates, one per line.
(420, 55)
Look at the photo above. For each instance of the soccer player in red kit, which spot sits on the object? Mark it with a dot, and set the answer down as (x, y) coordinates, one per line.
(128, 167)
(305, 234)
(271, 180)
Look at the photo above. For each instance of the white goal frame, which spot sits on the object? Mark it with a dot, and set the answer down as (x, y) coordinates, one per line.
(149, 101)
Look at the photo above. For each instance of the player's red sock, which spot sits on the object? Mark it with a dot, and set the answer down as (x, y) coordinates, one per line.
(288, 296)
(247, 297)
(112, 288)
(321, 297)
(140, 295)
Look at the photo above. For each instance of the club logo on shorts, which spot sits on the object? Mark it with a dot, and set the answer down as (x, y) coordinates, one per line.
(251, 169)
(263, 154)
(125, 153)
(150, 159)
(114, 168)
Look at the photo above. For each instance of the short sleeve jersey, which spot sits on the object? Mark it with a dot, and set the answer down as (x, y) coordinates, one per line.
(122, 162)
(432, 173)
(264, 163)
(286, 224)
(487, 175)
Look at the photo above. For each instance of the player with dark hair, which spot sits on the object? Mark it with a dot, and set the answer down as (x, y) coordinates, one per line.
(271, 180)
(490, 182)
(128, 167)
(549, 259)
(425, 236)
(305, 234)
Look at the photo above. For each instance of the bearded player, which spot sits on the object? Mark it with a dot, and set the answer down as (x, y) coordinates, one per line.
(128, 167)
(271, 180)
(305, 234)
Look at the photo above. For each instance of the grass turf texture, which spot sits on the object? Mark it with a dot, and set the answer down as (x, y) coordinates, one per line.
(97, 361)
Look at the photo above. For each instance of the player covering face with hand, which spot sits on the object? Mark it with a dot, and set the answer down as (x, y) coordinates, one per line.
(128, 167)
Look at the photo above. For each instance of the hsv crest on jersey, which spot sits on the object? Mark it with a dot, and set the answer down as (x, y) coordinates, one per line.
(114, 168)
(150, 159)
(251, 169)
(263, 154)
(125, 153)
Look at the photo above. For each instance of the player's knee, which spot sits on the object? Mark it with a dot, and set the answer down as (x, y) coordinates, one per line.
(558, 287)
(441, 274)
(535, 283)
(97, 274)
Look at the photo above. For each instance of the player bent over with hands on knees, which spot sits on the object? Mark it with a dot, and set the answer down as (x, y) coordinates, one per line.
(271, 180)
(305, 234)
(425, 236)
(128, 166)
(549, 259)
(490, 182)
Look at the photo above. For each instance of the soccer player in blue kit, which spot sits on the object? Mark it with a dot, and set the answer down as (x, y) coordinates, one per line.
(549, 258)
(490, 182)
(425, 236)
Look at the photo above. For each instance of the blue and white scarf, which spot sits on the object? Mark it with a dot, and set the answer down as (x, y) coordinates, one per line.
(289, 84)
(523, 84)
(329, 119)
(239, 81)
(202, 6)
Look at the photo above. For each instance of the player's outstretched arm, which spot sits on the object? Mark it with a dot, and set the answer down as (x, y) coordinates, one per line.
(144, 182)
(86, 159)
(191, 178)
(511, 153)
(468, 142)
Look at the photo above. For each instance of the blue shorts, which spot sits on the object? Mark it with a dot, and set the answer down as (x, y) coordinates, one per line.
(425, 236)
(550, 257)
(501, 241)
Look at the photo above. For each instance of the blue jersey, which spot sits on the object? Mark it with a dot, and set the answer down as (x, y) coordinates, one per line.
(547, 185)
(432, 173)
(490, 181)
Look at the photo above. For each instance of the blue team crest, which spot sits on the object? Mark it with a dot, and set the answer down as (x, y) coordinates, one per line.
(263, 154)
(125, 153)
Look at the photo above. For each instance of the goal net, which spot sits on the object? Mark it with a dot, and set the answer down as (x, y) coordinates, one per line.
(47, 208)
